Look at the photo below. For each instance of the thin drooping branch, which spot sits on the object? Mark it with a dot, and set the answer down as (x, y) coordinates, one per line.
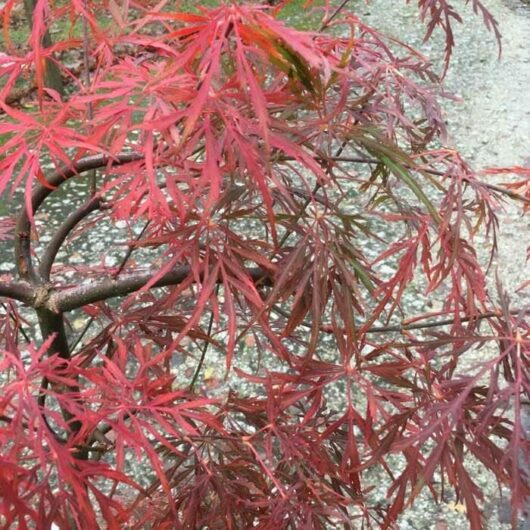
(48, 257)
(411, 326)
(23, 259)
(110, 288)
(41, 192)
(440, 323)
(204, 350)
(492, 187)
(79, 296)
(130, 250)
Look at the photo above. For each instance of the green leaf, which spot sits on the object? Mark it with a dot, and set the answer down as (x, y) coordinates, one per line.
(406, 177)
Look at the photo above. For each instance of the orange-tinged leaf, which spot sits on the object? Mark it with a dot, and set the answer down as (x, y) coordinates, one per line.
(180, 16)
(42, 179)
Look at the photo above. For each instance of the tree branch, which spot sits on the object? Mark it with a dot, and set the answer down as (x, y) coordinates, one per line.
(20, 291)
(40, 193)
(48, 257)
(110, 288)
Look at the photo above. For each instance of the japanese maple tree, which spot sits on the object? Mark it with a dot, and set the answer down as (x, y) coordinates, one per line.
(280, 191)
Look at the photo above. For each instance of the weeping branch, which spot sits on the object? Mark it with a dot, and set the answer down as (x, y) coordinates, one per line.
(23, 258)
(48, 257)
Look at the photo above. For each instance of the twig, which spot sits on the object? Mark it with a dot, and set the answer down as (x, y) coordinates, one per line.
(446, 322)
(337, 11)
(204, 348)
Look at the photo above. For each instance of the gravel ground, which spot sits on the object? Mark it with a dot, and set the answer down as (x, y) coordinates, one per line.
(491, 127)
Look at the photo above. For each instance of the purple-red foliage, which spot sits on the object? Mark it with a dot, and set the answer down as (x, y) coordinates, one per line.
(265, 166)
